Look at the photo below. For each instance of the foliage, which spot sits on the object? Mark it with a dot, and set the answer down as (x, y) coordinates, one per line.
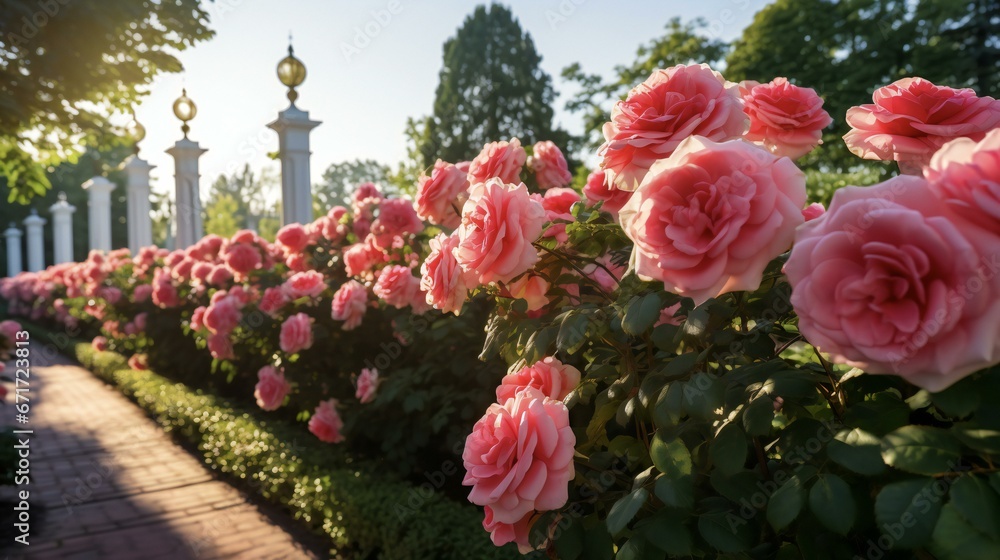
(221, 215)
(246, 195)
(340, 179)
(365, 511)
(69, 65)
(68, 177)
(491, 87)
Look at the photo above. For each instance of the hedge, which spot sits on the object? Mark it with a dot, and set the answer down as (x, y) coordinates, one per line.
(365, 512)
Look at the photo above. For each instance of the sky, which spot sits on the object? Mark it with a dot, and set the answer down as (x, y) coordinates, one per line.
(370, 65)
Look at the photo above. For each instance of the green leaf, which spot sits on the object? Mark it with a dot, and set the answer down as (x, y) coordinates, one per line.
(636, 548)
(569, 541)
(955, 539)
(640, 314)
(880, 414)
(671, 458)
(625, 509)
(729, 448)
(974, 499)
(572, 332)
(675, 492)
(786, 503)
(726, 531)
(757, 416)
(666, 531)
(920, 450)
(669, 406)
(831, 502)
(959, 400)
(907, 511)
(597, 543)
(858, 451)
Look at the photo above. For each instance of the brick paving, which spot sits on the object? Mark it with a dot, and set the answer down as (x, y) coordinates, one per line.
(107, 482)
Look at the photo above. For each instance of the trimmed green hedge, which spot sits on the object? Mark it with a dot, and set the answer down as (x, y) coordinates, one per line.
(365, 512)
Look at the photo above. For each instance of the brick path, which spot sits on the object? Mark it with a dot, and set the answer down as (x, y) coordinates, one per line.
(107, 482)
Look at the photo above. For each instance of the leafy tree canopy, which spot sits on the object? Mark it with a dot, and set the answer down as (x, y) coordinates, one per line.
(66, 66)
(491, 87)
(340, 180)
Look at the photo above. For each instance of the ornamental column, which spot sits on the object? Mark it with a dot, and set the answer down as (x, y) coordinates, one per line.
(99, 212)
(13, 236)
(140, 225)
(33, 225)
(62, 230)
(188, 227)
(293, 127)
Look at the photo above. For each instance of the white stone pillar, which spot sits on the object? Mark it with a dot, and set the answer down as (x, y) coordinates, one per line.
(33, 225)
(13, 235)
(140, 225)
(187, 203)
(62, 230)
(99, 212)
(293, 127)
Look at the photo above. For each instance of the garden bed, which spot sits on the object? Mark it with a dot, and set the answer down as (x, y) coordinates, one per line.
(365, 512)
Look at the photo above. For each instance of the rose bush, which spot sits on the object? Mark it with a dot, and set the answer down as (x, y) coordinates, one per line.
(700, 362)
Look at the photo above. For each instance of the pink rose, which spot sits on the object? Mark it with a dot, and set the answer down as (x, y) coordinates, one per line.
(442, 279)
(368, 383)
(519, 456)
(138, 362)
(606, 273)
(532, 289)
(325, 423)
(357, 259)
(142, 293)
(813, 211)
(304, 284)
(197, 316)
(787, 120)
(99, 343)
(499, 224)
(296, 333)
(502, 160)
(293, 237)
(273, 300)
(549, 165)
(219, 276)
(9, 329)
(271, 388)
(911, 118)
(550, 376)
(140, 321)
(709, 219)
(222, 316)
(110, 294)
(668, 316)
(397, 286)
(201, 270)
(349, 304)
(891, 281)
(396, 219)
(966, 176)
(662, 112)
(242, 258)
(503, 533)
(558, 203)
(164, 293)
(600, 189)
(440, 197)
(367, 194)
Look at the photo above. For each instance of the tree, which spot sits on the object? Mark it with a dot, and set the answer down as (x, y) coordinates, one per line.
(247, 191)
(68, 177)
(683, 43)
(220, 216)
(491, 88)
(340, 180)
(958, 43)
(67, 66)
